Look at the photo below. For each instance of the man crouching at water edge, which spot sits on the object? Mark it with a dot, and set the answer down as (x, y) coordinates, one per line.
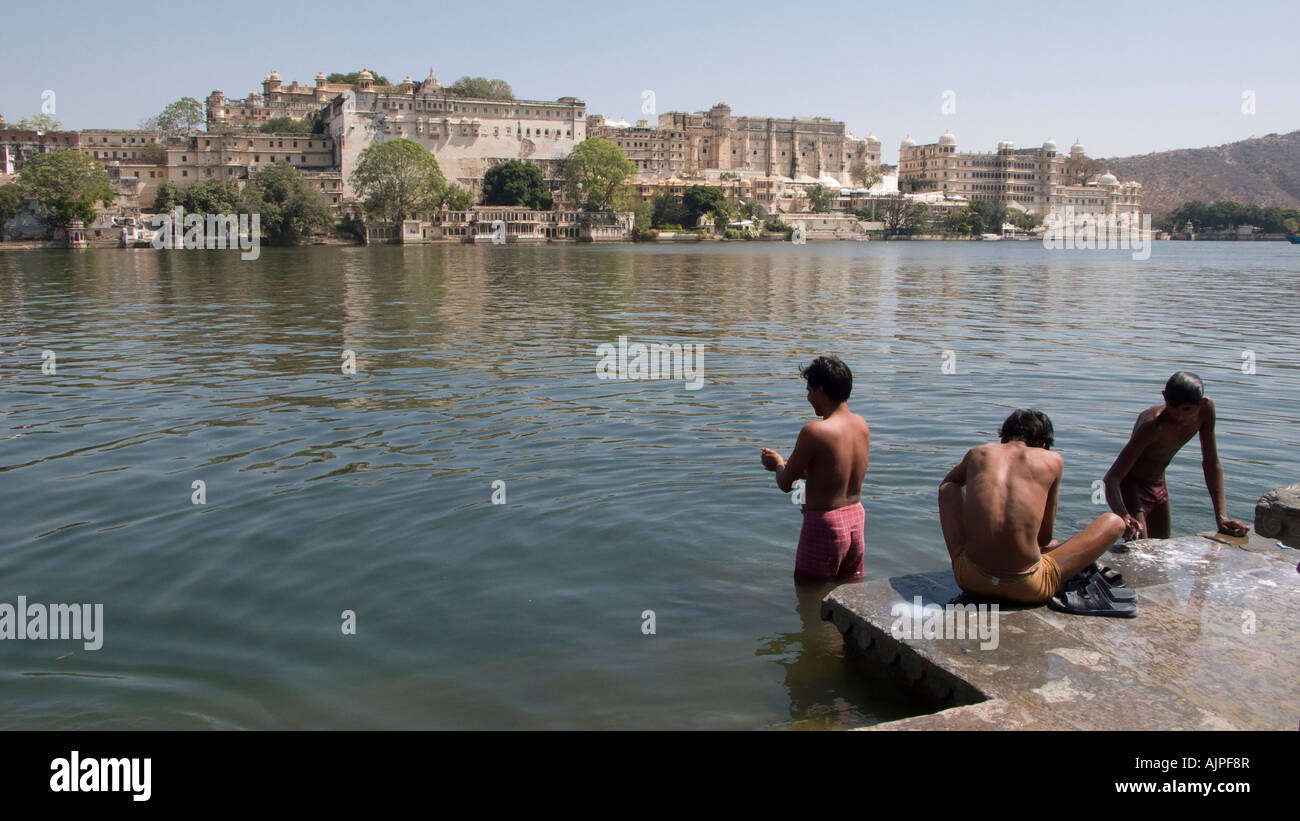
(1135, 483)
(1000, 535)
(831, 455)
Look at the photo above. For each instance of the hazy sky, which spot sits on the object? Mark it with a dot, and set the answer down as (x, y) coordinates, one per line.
(1124, 77)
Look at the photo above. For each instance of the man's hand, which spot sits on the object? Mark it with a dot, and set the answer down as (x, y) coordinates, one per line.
(1232, 527)
(772, 460)
(1133, 529)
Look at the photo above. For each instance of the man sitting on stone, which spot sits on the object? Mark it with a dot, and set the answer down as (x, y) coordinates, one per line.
(999, 530)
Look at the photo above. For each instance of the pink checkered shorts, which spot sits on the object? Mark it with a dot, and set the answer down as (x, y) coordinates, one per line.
(831, 544)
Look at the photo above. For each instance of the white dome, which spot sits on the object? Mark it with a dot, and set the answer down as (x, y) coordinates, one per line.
(871, 138)
(1049, 145)
(907, 142)
(1078, 148)
(1108, 179)
(947, 139)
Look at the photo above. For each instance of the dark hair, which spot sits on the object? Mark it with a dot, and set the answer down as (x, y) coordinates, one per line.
(831, 375)
(1029, 426)
(1184, 388)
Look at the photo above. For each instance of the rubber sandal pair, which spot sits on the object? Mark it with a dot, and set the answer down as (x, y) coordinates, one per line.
(1096, 591)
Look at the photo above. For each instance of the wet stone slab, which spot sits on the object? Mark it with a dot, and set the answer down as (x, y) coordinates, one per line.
(1214, 646)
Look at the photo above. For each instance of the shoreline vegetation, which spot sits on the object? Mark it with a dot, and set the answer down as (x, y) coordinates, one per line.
(106, 243)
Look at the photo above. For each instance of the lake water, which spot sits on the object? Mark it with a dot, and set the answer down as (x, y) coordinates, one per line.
(372, 492)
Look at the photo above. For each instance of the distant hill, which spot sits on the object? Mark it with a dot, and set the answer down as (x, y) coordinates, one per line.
(1259, 171)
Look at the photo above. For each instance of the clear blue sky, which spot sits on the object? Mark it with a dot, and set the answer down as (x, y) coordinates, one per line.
(1125, 78)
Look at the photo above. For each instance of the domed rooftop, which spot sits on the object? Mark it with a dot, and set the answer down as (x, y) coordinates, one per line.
(1108, 179)
(365, 74)
(320, 77)
(871, 138)
(1005, 145)
(1078, 148)
(907, 142)
(1049, 145)
(947, 139)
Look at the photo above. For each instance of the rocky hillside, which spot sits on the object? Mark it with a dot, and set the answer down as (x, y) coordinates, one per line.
(1260, 171)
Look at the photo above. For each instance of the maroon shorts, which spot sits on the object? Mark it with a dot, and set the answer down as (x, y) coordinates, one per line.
(1143, 498)
(831, 544)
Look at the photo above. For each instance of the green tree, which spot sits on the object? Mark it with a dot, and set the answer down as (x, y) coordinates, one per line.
(820, 198)
(11, 202)
(288, 205)
(642, 218)
(705, 199)
(398, 179)
(992, 212)
(1224, 215)
(481, 88)
(595, 172)
(288, 125)
(515, 182)
(40, 122)
(668, 210)
(211, 197)
(350, 78)
(963, 221)
(164, 196)
(1022, 220)
(457, 198)
(180, 116)
(66, 185)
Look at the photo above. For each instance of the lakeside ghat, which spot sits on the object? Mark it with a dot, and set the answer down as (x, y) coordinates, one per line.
(1212, 648)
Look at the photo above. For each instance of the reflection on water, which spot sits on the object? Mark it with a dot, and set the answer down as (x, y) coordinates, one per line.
(372, 492)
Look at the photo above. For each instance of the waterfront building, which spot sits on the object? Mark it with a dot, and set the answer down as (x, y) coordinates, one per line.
(17, 144)
(294, 101)
(656, 152)
(466, 135)
(493, 223)
(688, 143)
(1035, 180)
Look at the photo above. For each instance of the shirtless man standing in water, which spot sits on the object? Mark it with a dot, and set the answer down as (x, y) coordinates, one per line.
(831, 454)
(999, 534)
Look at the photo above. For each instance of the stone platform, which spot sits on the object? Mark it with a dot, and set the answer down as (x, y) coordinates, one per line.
(1214, 646)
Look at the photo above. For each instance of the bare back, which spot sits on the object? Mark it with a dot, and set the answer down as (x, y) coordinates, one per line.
(837, 459)
(1009, 488)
